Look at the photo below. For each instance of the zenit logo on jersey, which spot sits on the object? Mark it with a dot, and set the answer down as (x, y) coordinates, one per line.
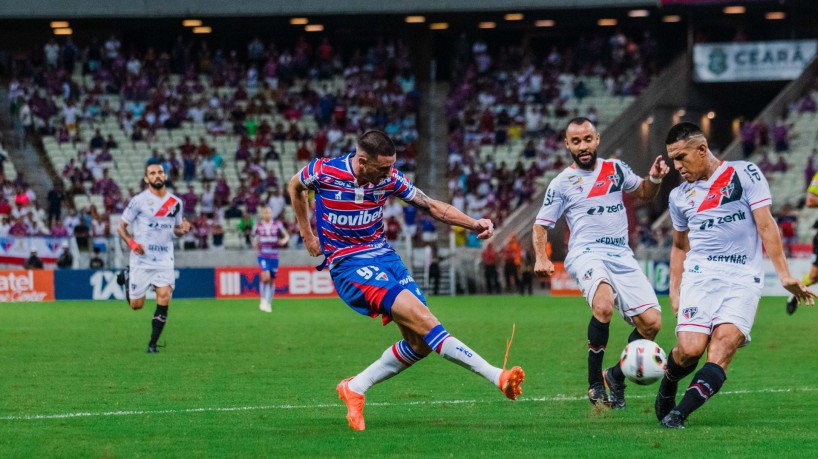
(725, 189)
(610, 180)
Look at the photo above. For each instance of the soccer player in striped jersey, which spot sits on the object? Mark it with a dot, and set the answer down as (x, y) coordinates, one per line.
(721, 217)
(269, 234)
(350, 193)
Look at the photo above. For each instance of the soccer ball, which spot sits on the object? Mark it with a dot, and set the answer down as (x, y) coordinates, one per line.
(643, 362)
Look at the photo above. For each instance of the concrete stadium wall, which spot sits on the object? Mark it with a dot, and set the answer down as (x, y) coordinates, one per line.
(210, 8)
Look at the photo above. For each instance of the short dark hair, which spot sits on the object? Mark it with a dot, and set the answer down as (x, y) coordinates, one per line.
(579, 121)
(152, 162)
(682, 131)
(376, 143)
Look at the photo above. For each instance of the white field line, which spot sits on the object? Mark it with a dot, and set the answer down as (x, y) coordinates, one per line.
(556, 398)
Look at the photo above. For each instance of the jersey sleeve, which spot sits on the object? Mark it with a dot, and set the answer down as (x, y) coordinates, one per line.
(310, 174)
(813, 185)
(404, 189)
(677, 217)
(632, 181)
(553, 205)
(756, 189)
(131, 212)
(178, 218)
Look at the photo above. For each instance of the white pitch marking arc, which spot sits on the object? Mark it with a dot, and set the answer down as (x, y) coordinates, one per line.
(556, 398)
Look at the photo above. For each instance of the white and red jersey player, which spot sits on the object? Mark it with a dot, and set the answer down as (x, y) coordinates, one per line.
(592, 203)
(598, 249)
(718, 216)
(723, 273)
(152, 220)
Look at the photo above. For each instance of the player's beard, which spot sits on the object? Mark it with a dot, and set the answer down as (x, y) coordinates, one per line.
(589, 166)
(158, 185)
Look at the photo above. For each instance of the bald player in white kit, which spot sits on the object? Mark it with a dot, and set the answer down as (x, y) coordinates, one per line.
(589, 193)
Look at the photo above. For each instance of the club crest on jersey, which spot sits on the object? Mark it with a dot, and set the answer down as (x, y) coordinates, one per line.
(379, 195)
(614, 178)
(727, 191)
(382, 277)
(588, 274)
(574, 180)
(689, 313)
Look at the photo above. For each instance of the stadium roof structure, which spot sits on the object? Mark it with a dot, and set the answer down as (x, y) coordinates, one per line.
(220, 8)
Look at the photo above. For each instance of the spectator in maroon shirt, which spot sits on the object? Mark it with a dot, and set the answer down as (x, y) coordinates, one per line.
(58, 230)
(222, 192)
(189, 201)
(19, 228)
(187, 147)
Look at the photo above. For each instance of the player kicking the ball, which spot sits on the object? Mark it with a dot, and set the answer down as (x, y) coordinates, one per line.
(589, 193)
(350, 193)
(155, 216)
(721, 216)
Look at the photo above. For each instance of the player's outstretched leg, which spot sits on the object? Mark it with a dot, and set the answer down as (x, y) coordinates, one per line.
(122, 280)
(453, 350)
(395, 359)
(647, 327)
(706, 383)
(666, 396)
(597, 341)
(265, 304)
(160, 317)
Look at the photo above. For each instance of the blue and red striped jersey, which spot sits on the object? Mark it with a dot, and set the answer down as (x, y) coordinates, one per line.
(350, 216)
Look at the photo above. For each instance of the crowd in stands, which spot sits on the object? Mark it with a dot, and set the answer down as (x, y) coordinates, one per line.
(318, 95)
(513, 98)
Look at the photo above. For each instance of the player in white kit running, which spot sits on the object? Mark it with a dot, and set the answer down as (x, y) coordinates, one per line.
(589, 193)
(155, 216)
(269, 235)
(721, 216)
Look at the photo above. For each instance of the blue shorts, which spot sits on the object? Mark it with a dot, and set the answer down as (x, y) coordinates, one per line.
(268, 264)
(370, 285)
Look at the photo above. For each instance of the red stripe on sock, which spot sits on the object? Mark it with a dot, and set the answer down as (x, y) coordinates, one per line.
(397, 355)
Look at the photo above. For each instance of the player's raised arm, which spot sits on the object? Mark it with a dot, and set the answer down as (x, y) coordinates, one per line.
(678, 253)
(122, 230)
(650, 184)
(301, 207)
(448, 214)
(770, 237)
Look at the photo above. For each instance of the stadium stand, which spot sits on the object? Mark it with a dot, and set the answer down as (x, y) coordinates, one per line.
(230, 132)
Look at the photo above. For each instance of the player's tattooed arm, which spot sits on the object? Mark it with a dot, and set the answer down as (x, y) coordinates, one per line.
(448, 214)
(301, 207)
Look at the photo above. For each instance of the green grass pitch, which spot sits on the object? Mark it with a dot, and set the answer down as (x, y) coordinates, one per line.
(235, 382)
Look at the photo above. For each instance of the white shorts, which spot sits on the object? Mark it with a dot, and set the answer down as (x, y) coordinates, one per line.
(633, 293)
(142, 279)
(707, 303)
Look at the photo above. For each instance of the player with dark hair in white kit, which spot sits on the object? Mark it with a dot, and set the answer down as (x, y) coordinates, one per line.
(721, 217)
(155, 216)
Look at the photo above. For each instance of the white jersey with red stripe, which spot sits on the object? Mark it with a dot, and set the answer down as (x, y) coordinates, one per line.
(592, 204)
(717, 213)
(268, 234)
(151, 220)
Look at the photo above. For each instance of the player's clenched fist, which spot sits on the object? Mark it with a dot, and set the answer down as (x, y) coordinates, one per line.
(484, 228)
(544, 268)
(313, 246)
